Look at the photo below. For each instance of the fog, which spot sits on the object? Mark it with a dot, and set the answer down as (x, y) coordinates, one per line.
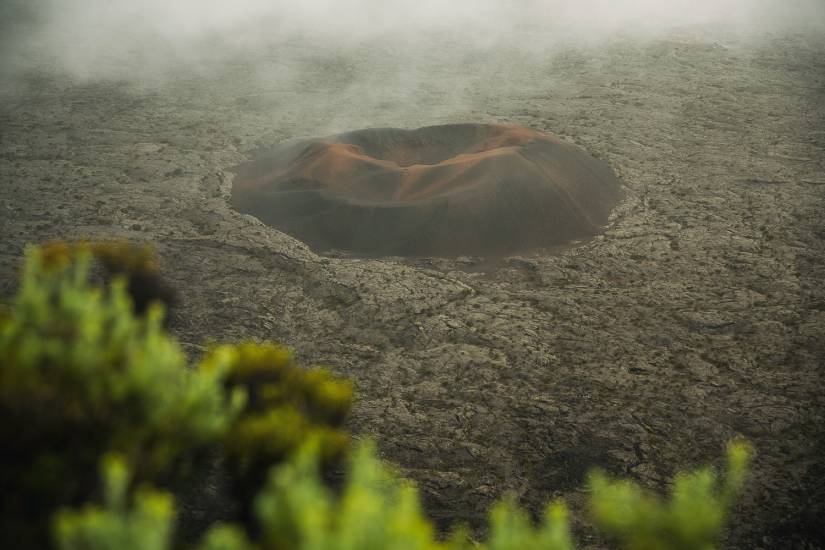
(99, 39)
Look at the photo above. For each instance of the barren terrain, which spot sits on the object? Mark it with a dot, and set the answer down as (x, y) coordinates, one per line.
(698, 316)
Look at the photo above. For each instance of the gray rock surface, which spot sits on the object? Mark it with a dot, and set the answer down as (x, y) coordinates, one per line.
(698, 316)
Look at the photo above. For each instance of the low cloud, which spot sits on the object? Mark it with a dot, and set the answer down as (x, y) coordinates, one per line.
(92, 39)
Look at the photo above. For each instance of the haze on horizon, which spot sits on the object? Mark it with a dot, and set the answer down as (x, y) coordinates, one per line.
(96, 39)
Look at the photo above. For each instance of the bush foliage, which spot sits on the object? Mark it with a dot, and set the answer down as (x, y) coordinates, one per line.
(83, 373)
(285, 406)
(81, 376)
(87, 379)
(378, 510)
(145, 524)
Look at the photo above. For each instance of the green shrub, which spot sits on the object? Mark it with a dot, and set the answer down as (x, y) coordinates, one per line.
(84, 374)
(137, 264)
(145, 525)
(692, 519)
(286, 405)
(378, 510)
(80, 376)
(510, 528)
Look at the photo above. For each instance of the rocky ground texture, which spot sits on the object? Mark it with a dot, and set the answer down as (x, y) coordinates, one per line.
(698, 316)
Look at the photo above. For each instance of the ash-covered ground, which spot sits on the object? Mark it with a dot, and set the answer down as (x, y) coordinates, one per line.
(697, 317)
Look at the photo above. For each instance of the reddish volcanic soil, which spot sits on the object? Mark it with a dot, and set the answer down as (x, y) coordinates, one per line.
(442, 190)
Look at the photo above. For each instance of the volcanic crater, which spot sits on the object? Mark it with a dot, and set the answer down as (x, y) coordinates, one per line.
(449, 190)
